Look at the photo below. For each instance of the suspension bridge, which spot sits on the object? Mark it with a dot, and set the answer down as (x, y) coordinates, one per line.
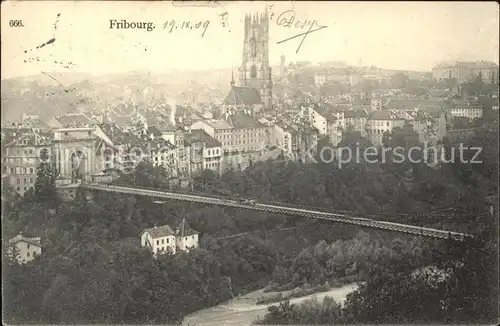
(279, 208)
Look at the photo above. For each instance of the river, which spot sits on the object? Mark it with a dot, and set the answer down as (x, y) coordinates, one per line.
(244, 310)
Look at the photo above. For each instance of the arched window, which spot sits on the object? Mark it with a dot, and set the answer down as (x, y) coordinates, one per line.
(253, 48)
(253, 72)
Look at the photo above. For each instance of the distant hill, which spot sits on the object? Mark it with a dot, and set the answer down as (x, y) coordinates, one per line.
(48, 96)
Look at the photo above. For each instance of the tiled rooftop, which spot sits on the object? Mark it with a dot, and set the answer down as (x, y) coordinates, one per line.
(241, 120)
(243, 96)
(218, 124)
(158, 232)
(20, 237)
(201, 135)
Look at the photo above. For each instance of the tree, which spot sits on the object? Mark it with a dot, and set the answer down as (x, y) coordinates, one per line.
(9, 199)
(324, 143)
(147, 175)
(459, 286)
(11, 254)
(352, 138)
(45, 184)
(403, 139)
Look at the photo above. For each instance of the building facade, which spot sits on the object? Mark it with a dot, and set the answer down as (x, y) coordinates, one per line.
(211, 150)
(465, 72)
(163, 239)
(75, 153)
(470, 112)
(159, 240)
(242, 99)
(380, 122)
(26, 248)
(328, 121)
(22, 152)
(238, 132)
(285, 138)
(356, 119)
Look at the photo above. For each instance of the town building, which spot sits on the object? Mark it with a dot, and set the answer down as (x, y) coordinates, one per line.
(194, 150)
(243, 139)
(242, 99)
(25, 248)
(159, 239)
(429, 116)
(287, 137)
(186, 238)
(467, 110)
(376, 103)
(237, 132)
(163, 154)
(32, 122)
(121, 115)
(328, 120)
(356, 119)
(382, 121)
(211, 150)
(255, 71)
(428, 121)
(339, 75)
(22, 152)
(164, 239)
(429, 124)
(465, 72)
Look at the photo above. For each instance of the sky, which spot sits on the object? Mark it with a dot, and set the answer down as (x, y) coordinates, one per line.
(407, 36)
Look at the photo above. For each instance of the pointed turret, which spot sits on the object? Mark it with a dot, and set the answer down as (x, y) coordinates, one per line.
(265, 22)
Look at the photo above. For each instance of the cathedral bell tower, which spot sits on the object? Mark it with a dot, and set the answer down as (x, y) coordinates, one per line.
(255, 71)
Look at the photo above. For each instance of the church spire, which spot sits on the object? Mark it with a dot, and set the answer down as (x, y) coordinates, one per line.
(232, 78)
(255, 71)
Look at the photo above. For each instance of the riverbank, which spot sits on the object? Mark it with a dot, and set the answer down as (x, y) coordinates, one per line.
(244, 310)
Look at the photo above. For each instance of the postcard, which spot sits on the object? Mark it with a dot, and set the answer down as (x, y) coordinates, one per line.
(238, 163)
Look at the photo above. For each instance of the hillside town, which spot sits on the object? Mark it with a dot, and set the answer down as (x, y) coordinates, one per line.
(185, 139)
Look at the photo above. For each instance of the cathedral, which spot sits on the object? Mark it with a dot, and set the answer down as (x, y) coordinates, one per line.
(254, 90)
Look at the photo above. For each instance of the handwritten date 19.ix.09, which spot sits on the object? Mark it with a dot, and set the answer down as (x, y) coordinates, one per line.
(172, 26)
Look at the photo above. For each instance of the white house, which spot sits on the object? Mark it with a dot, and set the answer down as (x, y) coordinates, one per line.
(27, 248)
(159, 239)
(163, 239)
(185, 237)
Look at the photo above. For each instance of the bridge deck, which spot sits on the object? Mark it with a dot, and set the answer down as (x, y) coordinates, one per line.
(341, 218)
